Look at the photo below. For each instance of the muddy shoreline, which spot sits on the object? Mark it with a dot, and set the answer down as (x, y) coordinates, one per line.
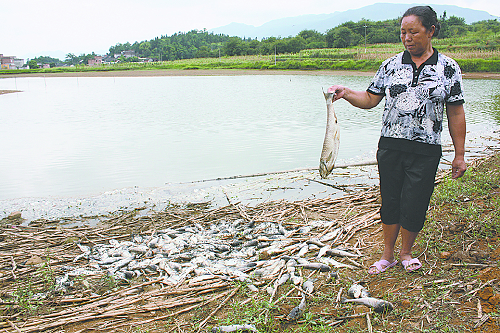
(462, 285)
(217, 72)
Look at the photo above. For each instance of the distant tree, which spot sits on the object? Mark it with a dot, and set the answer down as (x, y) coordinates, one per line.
(133, 59)
(311, 34)
(342, 37)
(457, 30)
(234, 46)
(252, 46)
(281, 46)
(203, 52)
(452, 26)
(84, 58)
(453, 20)
(314, 39)
(267, 45)
(47, 60)
(71, 59)
(492, 25)
(295, 44)
(316, 45)
(495, 29)
(32, 64)
(145, 49)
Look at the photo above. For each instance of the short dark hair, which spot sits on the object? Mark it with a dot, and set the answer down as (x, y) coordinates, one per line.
(427, 16)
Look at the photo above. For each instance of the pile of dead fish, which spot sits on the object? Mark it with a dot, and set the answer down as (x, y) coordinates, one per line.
(230, 250)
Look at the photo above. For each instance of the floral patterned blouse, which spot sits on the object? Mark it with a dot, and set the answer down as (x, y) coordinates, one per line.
(415, 97)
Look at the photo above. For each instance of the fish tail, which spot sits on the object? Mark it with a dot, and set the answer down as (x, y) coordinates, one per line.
(328, 95)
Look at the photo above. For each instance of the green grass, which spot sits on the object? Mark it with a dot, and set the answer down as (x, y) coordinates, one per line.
(471, 201)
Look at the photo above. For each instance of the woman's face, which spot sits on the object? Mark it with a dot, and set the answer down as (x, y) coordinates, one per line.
(415, 37)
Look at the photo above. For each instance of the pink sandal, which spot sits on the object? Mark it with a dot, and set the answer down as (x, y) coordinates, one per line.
(382, 265)
(414, 261)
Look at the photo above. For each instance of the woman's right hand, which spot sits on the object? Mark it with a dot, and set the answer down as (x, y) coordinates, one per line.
(339, 91)
(359, 99)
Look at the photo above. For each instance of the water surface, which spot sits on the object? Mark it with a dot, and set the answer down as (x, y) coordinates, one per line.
(80, 137)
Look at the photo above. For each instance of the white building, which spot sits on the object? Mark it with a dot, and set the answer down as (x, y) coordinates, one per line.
(10, 62)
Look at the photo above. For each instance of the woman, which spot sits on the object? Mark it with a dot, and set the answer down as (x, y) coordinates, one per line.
(417, 85)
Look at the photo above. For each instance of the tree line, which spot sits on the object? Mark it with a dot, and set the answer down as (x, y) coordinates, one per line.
(204, 44)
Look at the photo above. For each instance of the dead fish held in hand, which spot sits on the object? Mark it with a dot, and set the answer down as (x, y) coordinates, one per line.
(332, 139)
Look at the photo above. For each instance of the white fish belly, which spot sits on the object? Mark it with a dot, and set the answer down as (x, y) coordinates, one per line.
(331, 143)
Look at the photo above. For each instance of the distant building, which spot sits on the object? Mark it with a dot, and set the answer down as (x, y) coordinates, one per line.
(107, 59)
(96, 61)
(126, 54)
(10, 62)
(19, 63)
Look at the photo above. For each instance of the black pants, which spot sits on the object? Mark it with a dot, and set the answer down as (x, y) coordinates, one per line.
(406, 186)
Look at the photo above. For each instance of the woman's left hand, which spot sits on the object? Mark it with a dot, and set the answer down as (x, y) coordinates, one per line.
(458, 167)
(456, 126)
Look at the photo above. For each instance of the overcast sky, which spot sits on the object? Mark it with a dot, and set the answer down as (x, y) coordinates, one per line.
(30, 28)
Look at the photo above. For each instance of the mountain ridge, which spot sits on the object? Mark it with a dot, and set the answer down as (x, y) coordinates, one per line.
(291, 26)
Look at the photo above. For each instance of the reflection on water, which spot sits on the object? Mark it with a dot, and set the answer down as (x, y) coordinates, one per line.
(82, 137)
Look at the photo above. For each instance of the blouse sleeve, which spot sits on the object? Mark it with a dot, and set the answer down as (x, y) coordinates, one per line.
(377, 86)
(456, 92)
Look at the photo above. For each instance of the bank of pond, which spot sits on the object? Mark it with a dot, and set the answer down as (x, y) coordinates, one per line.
(295, 62)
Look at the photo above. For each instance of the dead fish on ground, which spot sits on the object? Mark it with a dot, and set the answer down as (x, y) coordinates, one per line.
(316, 242)
(322, 251)
(334, 263)
(378, 305)
(86, 252)
(277, 283)
(332, 276)
(303, 250)
(331, 235)
(285, 277)
(340, 253)
(315, 266)
(290, 266)
(358, 291)
(332, 139)
(296, 280)
(297, 311)
(235, 328)
(308, 286)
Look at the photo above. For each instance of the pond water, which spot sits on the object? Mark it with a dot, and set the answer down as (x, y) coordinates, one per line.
(77, 138)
